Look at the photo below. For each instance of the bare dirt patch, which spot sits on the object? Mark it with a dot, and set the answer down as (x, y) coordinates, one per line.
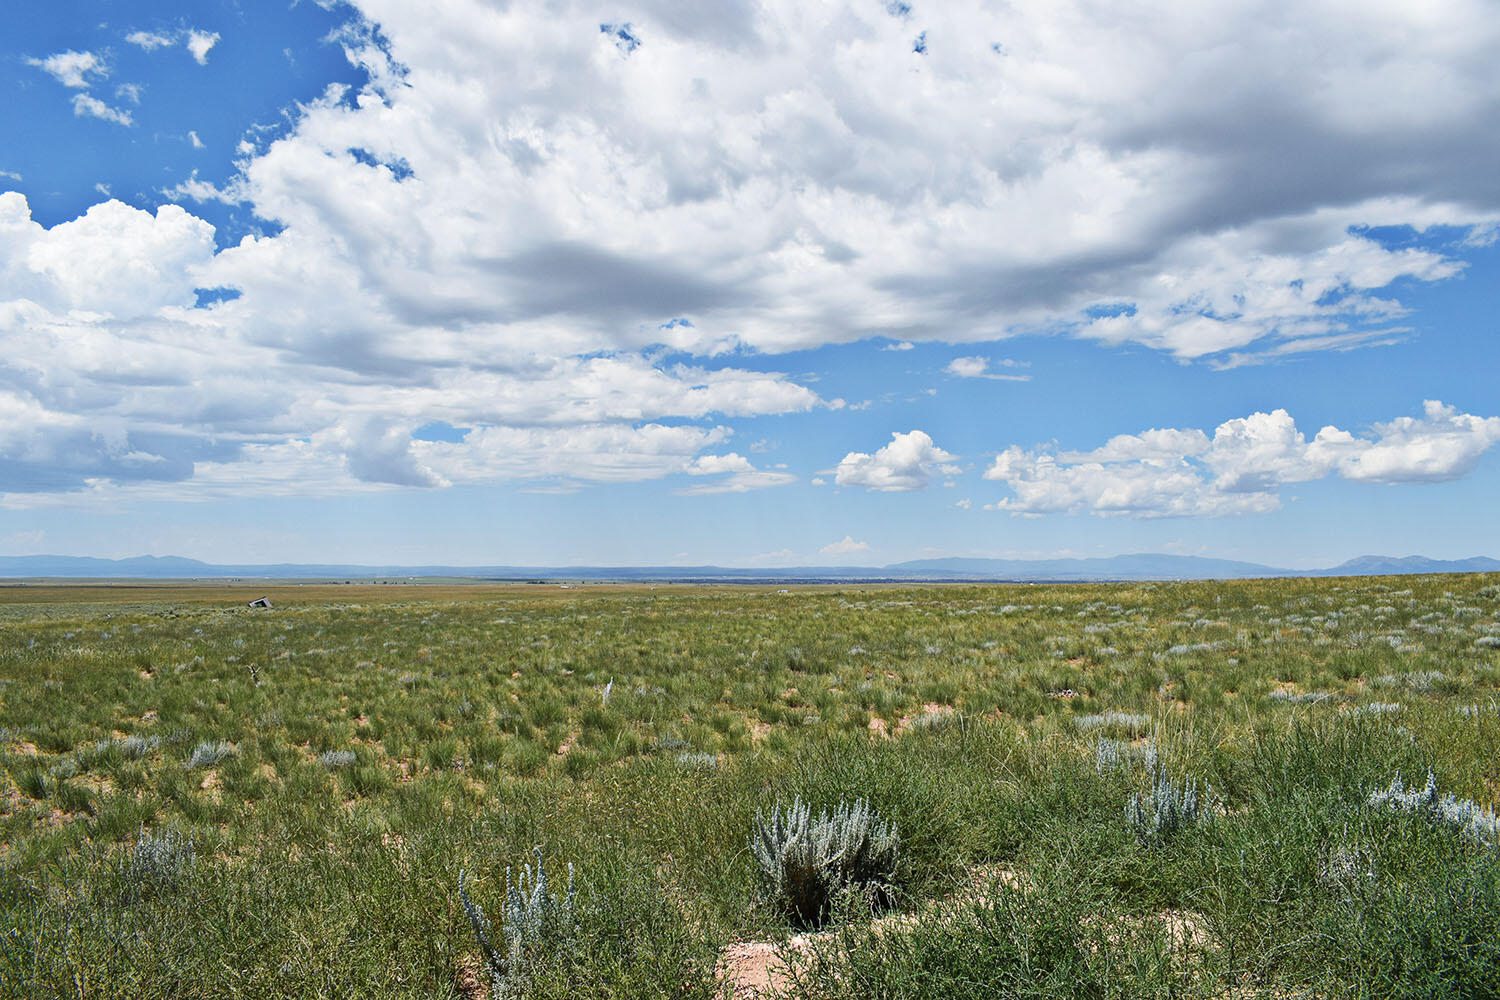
(752, 969)
(469, 979)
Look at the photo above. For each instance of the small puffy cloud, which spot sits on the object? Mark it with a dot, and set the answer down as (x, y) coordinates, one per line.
(968, 367)
(86, 105)
(193, 138)
(900, 345)
(907, 463)
(199, 190)
(72, 69)
(845, 547)
(963, 504)
(979, 367)
(1187, 473)
(199, 43)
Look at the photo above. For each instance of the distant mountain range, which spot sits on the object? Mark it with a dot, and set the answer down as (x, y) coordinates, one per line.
(1144, 566)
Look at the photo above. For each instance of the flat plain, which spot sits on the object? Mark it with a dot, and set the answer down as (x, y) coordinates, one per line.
(206, 800)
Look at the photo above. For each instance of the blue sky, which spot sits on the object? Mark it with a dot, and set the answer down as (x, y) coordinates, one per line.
(756, 284)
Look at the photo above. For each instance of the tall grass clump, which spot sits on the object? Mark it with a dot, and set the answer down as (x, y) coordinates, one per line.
(533, 923)
(808, 864)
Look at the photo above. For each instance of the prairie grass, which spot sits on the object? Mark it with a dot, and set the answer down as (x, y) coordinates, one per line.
(201, 800)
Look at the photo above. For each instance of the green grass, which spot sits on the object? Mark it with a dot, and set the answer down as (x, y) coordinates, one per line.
(336, 761)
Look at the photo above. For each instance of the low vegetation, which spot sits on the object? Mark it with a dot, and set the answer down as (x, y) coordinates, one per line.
(1273, 788)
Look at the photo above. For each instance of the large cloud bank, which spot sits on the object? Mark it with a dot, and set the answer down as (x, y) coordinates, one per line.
(1240, 468)
(526, 206)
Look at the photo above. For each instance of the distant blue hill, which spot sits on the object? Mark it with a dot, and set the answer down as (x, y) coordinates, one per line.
(1142, 566)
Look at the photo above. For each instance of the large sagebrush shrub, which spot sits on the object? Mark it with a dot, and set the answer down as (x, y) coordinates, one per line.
(1462, 815)
(808, 863)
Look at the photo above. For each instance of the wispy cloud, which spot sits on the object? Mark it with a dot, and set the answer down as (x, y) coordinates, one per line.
(198, 43)
(86, 105)
(150, 41)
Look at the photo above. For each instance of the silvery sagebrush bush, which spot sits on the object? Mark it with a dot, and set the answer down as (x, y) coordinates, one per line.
(1111, 754)
(1304, 698)
(1467, 817)
(808, 863)
(209, 752)
(1343, 867)
(157, 864)
(533, 918)
(1169, 807)
(136, 747)
(1132, 721)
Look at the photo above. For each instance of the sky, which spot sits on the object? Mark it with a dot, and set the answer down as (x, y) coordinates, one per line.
(767, 283)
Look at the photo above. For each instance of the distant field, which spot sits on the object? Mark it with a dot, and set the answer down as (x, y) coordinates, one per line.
(335, 762)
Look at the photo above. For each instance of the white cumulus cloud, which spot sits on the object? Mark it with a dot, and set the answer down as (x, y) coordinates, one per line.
(519, 215)
(199, 43)
(845, 547)
(72, 69)
(907, 463)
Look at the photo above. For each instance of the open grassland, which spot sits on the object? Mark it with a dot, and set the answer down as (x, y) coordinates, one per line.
(200, 800)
